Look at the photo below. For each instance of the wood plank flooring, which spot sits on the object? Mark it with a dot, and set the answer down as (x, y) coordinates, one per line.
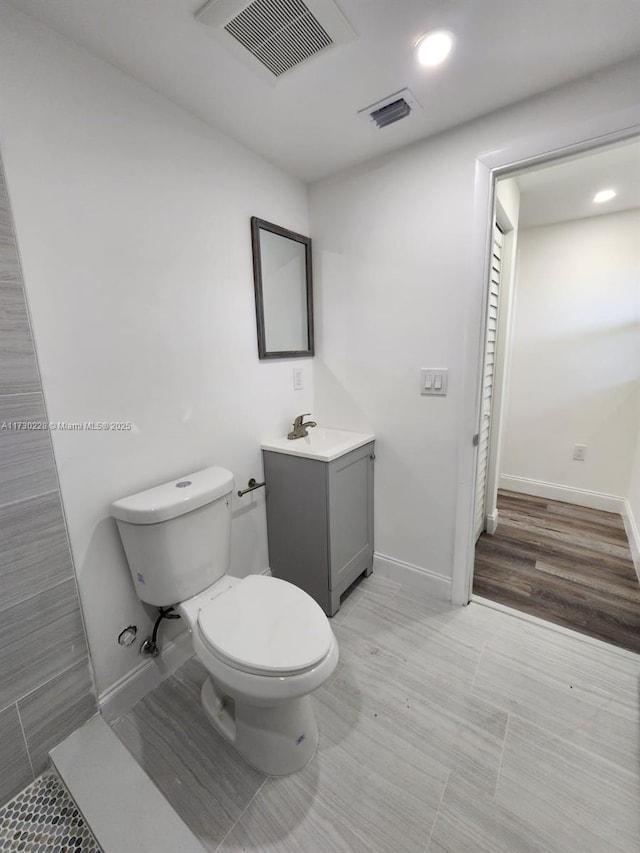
(564, 563)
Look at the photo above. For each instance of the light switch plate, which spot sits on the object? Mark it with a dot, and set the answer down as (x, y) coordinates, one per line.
(434, 381)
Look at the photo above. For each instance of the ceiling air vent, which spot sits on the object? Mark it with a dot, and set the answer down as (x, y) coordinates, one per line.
(279, 34)
(390, 109)
(391, 112)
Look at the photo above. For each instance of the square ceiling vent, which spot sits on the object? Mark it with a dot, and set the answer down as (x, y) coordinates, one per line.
(276, 35)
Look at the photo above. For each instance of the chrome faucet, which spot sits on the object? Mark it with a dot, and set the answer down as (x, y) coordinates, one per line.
(300, 428)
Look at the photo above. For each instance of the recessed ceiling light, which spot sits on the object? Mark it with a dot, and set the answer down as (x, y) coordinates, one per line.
(433, 48)
(604, 195)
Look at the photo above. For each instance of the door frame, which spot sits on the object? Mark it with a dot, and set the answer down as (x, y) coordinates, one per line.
(490, 166)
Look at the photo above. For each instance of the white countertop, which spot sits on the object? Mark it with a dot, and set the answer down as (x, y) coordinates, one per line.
(322, 444)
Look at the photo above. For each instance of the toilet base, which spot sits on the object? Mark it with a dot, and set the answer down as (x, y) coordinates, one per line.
(275, 740)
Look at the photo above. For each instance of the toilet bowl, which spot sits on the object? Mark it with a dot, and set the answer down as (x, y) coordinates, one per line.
(266, 646)
(265, 643)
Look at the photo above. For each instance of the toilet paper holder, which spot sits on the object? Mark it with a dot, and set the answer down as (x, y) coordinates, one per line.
(252, 485)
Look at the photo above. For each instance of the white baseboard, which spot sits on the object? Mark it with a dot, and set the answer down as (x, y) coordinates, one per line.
(413, 577)
(580, 497)
(128, 690)
(492, 522)
(633, 535)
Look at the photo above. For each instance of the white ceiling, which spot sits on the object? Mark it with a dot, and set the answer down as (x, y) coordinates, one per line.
(565, 190)
(506, 50)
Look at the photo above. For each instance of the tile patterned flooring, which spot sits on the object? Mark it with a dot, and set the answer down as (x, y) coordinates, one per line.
(44, 819)
(568, 564)
(442, 729)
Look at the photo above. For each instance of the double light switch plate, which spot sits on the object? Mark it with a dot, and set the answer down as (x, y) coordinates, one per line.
(433, 381)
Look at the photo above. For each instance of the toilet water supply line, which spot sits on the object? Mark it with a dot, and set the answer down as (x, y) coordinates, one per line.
(150, 646)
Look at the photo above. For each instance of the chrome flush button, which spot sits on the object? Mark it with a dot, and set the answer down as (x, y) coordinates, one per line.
(183, 484)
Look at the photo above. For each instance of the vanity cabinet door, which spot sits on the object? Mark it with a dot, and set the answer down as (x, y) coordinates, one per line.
(320, 521)
(350, 497)
(297, 523)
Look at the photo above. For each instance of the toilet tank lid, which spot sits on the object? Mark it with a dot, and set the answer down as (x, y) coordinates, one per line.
(174, 498)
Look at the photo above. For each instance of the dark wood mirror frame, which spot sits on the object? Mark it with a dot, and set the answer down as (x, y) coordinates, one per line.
(258, 225)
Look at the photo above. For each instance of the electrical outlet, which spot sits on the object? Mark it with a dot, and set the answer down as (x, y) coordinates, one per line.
(298, 378)
(580, 452)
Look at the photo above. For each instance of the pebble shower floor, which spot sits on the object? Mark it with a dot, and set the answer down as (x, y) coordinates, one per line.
(44, 819)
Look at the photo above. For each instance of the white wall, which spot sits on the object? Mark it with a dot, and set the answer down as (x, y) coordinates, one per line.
(632, 507)
(575, 356)
(397, 292)
(133, 225)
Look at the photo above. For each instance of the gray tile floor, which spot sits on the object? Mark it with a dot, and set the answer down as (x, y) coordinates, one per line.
(442, 729)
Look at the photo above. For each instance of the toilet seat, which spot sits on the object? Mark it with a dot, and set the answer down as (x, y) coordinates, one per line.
(265, 626)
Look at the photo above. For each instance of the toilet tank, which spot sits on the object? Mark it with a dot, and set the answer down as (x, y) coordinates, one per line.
(177, 536)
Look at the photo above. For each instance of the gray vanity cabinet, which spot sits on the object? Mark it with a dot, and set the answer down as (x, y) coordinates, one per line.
(320, 521)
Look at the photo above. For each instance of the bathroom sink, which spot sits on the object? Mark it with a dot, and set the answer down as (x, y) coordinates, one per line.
(322, 444)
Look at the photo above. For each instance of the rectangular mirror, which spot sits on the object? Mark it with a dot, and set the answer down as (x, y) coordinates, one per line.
(283, 289)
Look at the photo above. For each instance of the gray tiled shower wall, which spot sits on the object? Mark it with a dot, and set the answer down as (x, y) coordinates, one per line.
(46, 688)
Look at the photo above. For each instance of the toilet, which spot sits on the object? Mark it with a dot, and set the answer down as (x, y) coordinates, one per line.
(265, 643)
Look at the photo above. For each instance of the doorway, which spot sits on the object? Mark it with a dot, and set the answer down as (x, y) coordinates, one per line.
(558, 475)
